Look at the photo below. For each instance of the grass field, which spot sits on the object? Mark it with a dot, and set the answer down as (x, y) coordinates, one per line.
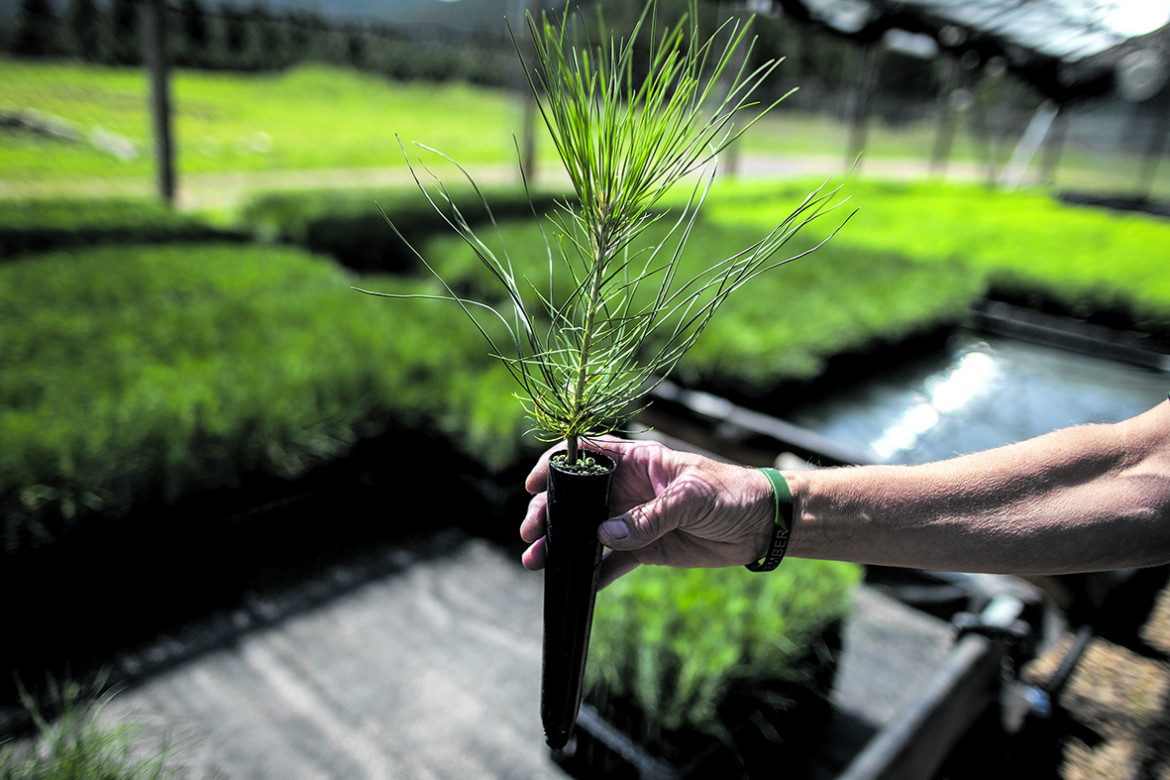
(307, 118)
(1025, 243)
(316, 118)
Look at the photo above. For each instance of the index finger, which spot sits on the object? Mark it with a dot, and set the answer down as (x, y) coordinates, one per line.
(537, 480)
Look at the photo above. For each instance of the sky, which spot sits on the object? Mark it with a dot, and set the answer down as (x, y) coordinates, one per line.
(1135, 17)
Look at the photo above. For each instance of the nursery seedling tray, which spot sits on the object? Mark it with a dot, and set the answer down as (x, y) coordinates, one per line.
(891, 653)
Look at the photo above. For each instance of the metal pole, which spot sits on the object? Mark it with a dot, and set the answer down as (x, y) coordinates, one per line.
(977, 117)
(528, 55)
(1030, 143)
(1155, 147)
(944, 128)
(866, 62)
(1053, 146)
(154, 51)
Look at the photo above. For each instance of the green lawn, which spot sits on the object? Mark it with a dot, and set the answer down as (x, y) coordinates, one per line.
(318, 117)
(306, 118)
(787, 323)
(1025, 243)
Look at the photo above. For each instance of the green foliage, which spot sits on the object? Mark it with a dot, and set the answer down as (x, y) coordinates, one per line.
(849, 300)
(91, 339)
(28, 226)
(625, 144)
(1026, 244)
(190, 36)
(349, 227)
(676, 642)
(143, 372)
(123, 31)
(76, 745)
(82, 17)
(251, 36)
(308, 117)
(788, 325)
(315, 117)
(35, 30)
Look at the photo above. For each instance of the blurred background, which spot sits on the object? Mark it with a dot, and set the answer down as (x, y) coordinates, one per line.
(213, 451)
(1061, 93)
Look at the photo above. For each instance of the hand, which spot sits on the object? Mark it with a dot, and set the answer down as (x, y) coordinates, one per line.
(669, 508)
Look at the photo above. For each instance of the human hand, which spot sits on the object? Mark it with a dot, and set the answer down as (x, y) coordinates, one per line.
(669, 508)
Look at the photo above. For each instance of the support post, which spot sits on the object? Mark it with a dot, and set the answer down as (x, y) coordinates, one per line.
(1053, 146)
(1155, 147)
(155, 55)
(980, 130)
(528, 55)
(866, 63)
(944, 126)
(1030, 143)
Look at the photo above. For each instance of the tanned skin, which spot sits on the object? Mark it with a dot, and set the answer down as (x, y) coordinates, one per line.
(1087, 498)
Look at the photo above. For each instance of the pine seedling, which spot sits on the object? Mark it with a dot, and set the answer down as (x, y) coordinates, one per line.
(613, 318)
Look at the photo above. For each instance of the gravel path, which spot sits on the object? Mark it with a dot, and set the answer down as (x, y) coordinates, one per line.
(1113, 716)
(225, 190)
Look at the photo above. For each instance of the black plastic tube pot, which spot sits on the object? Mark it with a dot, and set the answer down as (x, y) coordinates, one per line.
(577, 504)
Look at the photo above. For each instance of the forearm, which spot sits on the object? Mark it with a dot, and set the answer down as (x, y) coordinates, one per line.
(1081, 499)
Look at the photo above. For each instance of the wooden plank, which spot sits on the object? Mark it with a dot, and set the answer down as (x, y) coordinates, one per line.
(914, 745)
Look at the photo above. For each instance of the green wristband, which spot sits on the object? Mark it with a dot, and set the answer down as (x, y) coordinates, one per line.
(783, 521)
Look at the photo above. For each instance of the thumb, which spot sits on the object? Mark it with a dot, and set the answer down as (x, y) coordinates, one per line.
(638, 527)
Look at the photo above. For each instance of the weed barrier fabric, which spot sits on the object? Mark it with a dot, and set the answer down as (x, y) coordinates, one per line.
(577, 505)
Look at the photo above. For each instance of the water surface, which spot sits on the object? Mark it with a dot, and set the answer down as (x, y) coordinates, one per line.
(981, 391)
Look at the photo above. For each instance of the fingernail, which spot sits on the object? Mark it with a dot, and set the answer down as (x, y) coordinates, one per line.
(615, 529)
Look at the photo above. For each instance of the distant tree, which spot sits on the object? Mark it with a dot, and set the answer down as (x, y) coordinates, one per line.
(237, 35)
(325, 37)
(192, 34)
(252, 37)
(123, 36)
(304, 34)
(355, 45)
(36, 32)
(82, 21)
(268, 37)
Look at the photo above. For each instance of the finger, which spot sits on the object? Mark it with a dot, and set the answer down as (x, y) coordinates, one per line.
(532, 528)
(614, 565)
(534, 524)
(535, 556)
(640, 526)
(538, 478)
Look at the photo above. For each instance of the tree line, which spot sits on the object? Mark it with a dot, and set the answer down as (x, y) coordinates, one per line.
(230, 35)
(252, 37)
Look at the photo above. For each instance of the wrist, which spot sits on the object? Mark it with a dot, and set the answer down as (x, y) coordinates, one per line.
(818, 527)
(781, 522)
(762, 513)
